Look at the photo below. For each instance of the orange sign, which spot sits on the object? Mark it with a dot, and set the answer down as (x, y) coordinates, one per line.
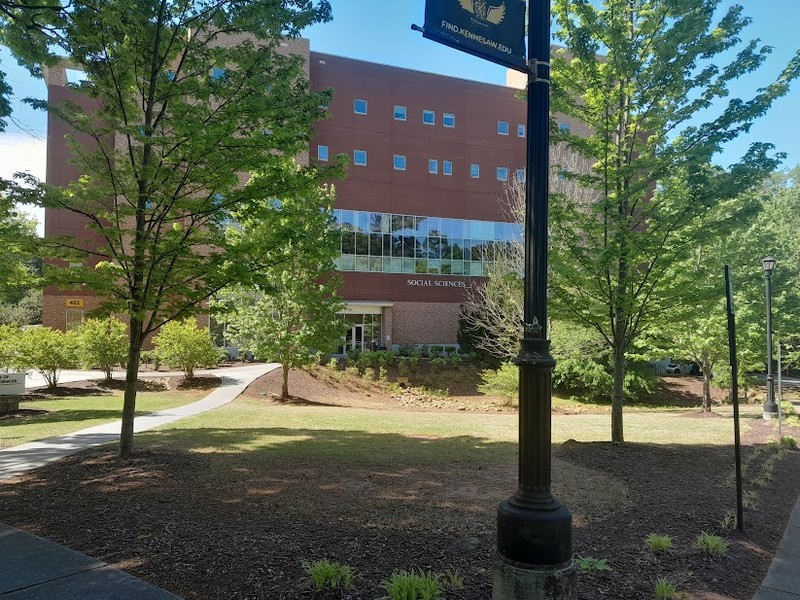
(74, 302)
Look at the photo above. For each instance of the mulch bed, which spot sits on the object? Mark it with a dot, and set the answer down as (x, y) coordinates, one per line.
(177, 520)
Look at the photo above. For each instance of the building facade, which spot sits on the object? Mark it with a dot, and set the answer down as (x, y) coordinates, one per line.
(423, 197)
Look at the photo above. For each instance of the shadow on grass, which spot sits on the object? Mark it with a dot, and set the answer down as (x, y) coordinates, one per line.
(61, 416)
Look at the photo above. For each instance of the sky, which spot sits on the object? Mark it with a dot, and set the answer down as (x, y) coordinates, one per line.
(380, 31)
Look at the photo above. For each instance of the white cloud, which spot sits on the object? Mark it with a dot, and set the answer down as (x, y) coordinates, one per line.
(24, 153)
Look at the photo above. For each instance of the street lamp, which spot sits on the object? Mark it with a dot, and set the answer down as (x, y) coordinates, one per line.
(770, 408)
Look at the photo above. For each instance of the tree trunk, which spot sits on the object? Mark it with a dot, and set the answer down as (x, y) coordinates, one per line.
(135, 339)
(617, 435)
(285, 389)
(706, 390)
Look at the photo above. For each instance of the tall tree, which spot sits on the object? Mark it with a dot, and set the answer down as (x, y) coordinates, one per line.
(192, 95)
(640, 103)
(292, 312)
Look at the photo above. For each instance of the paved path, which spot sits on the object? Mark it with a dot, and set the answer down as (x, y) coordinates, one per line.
(783, 578)
(32, 568)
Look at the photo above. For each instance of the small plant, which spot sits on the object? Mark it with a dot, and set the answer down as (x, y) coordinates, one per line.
(404, 365)
(729, 520)
(591, 564)
(439, 362)
(383, 374)
(789, 442)
(750, 499)
(665, 590)
(658, 543)
(329, 576)
(454, 581)
(712, 545)
(455, 360)
(437, 350)
(369, 374)
(415, 359)
(411, 585)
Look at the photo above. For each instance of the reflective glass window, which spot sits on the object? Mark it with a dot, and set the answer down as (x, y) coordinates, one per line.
(399, 113)
(502, 127)
(433, 166)
(399, 162)
(502, 173)
(322, 152)
(360, 157)
(474, 170)
(447, 167)
(360, 106)
(448, 120)
(429, 117)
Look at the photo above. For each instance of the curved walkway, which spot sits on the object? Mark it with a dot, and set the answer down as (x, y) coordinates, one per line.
(37, 569)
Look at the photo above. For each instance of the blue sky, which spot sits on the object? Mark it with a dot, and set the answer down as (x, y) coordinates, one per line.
(380, 31)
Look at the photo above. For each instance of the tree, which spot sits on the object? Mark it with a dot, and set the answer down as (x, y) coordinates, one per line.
(192, 96)
(185, 346)
(293, 312)
(103, 344)
(640, 104)
(47, 351)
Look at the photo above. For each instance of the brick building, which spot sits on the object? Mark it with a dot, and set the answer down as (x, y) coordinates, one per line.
(429, 158)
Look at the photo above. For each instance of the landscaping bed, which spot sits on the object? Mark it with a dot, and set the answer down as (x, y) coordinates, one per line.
(231, 508)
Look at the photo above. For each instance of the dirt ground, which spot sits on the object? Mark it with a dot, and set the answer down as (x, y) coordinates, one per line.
(176, 519)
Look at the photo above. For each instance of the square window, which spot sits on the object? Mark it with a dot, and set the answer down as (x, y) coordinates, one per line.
(322, 153)
(502, 128)
(217, 73)
(520, 130)
(521, 175)
(399, 162)
(433, 166)
(448, 120)
(502, 173)
(399, 113)
(360, 106)
(563, 127)
(474, 170)
(428, 117)
(75, 77)
(360, 157)
(447, 167)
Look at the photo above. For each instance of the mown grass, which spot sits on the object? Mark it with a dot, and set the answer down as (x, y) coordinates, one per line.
(364, 436)
(72, 413)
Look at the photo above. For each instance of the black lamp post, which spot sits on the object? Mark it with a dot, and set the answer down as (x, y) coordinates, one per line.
(534, 530)
(770, 408)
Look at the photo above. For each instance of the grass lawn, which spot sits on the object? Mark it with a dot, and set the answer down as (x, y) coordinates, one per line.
(364, 435)
(71, 413)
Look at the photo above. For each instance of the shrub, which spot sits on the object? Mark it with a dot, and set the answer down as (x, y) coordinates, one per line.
(410, 585)
(437, 350)
(47, 351)
(326, 575)
(455, 360)
(586, 378)
(665, 590)
(503, 382)
(183, 345)
(405, 350)
(9, 338)
(404, 365)
(104, 344)
(788, 441)
(439, 362)
(590, 564)
(712, 545)
(658, 543)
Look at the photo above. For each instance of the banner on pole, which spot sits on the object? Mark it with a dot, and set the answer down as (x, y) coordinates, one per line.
(490, 29)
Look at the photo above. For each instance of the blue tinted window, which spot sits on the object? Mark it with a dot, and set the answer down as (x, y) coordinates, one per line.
(360, 106)
(399, 162)
(502, 127)
(521, 175)
(448, 120)
(502, 173)
(428, 117)
(564, 127)
(474, 170)
(322, 152)
(520, 130)
(217, 73)
(433, 166)
(399, 113)
(447, 167)
(360, 157)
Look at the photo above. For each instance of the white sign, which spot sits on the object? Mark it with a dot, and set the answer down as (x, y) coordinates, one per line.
(437, 283)
(12, 384)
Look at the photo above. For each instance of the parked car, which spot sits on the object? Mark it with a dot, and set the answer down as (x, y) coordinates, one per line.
(674, 369)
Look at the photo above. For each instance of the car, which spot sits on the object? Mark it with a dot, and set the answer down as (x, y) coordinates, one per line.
(674, 369)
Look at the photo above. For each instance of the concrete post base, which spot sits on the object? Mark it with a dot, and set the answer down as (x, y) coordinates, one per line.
(535, 583)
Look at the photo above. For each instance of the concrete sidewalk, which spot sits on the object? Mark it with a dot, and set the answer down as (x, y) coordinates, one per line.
(22, 458)
(783, 578)
(32, 568)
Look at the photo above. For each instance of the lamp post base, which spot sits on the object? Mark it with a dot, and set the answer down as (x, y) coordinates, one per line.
(534, 583)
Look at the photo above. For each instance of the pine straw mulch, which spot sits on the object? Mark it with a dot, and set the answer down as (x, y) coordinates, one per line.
(239, 525)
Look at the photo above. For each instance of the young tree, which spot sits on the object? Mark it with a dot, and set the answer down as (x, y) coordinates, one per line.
(47, 351)
(183, 345)
(640, 104)
(292, 312)
(191, 96)
(103, 344)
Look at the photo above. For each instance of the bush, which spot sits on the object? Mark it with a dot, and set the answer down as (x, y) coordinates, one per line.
(47, 351)
(583, 376)
(9, 336)
(183, 345)
(503, 382)
(658, 543)
(104, 344)
(711, 544)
